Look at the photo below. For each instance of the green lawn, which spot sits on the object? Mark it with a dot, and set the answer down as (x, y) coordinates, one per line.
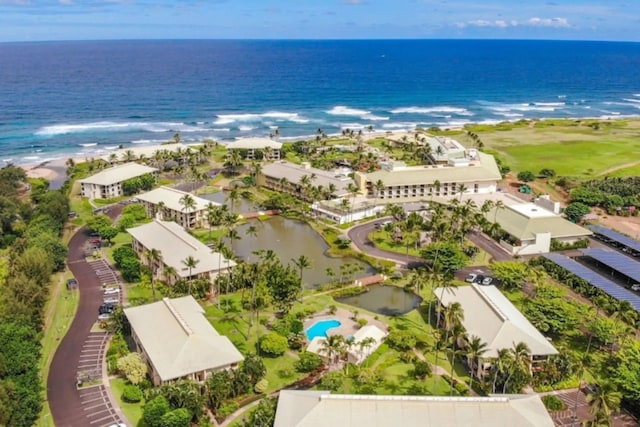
(59, 313)
(567, 147)
(280, 371)
(133, 411)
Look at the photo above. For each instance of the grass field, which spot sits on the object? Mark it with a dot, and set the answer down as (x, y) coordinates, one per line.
(59, 313)
(133, 411)
(572, 148)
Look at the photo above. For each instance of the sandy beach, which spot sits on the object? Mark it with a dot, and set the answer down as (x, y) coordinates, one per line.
(54, 171)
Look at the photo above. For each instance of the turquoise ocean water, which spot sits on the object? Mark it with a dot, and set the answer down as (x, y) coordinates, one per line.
(83, 99)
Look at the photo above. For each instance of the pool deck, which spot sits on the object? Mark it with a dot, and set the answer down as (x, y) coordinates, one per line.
(348, 326)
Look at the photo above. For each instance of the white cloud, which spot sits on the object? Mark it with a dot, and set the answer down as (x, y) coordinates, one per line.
(549, 22)
(65, 2)
(532, 22)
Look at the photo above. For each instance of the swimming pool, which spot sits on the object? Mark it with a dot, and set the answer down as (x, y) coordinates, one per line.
(320, 328)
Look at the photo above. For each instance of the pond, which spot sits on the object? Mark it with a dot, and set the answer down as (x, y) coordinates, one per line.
(384, 299)
(289, 239)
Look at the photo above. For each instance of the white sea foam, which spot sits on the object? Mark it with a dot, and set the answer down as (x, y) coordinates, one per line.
(341, 110)
(89, 145)
(430, 110)
(507, 114)
(225, 119)
(111, 147)
(105, 126)
(399, 125)
(244, 128)
(374, 118)
(353, 126)
(221, 129)
(549, 104)
(631, 100)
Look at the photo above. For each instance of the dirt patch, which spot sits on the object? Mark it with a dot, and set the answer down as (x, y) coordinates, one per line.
(626, 225)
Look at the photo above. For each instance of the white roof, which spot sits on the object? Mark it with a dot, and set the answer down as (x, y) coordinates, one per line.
(253, 143)
(176, 244)
(531, 210)
(171, 198)
(484, 169)
(150, 150)
(489, 315)
(293, 173)
(320, 408)
(178, 339)
(118, 173)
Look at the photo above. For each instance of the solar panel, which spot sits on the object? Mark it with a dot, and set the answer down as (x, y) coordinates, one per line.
(614, 235)
(615, 260)
(612, 289)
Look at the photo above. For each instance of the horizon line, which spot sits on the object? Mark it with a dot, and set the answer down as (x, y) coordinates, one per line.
(292, 39)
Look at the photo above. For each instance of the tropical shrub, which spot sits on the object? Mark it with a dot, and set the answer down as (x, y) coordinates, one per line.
(131, 394)
(553, 403)
(273, 345)
(308, 362)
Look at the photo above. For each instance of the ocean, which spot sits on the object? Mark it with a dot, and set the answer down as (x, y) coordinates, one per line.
(83, 99)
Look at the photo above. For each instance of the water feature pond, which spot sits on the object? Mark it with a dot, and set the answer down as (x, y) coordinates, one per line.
(384, 299)
(289, 239)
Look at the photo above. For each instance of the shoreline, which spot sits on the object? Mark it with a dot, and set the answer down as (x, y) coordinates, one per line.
(54, 170)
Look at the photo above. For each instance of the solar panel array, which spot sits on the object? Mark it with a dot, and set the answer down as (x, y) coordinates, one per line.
(612, 289)
(619, 262)
(614, 235)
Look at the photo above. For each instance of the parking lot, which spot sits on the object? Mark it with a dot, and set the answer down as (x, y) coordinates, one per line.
(98, 409)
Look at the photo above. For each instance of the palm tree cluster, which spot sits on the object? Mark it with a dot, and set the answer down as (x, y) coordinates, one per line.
(510, 371)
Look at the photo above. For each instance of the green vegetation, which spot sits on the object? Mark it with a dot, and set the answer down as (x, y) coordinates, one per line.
(593, 150)
(33, 251)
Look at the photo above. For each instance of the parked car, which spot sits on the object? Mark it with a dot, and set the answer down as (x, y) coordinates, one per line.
(479, 278)
(95, 241)
(635, 287)
(470, 278)
(111, 300)
(487, 281)
(105, 316)
(72, 283)
(112, 291)
(383, 224)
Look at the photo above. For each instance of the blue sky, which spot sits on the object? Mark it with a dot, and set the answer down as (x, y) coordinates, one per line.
(24, 20)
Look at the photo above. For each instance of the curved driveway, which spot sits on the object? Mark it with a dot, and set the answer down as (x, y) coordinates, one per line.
(359, 236)
(64, 398)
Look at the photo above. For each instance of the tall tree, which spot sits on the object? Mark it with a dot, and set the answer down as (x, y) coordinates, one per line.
(154, 258)
(190, 263)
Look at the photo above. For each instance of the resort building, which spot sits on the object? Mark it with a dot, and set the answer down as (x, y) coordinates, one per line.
(531, 227)
(289, 178)
(168, 204)
(257, 148)
(178, 342)
(489, 315)
(346, 209)
(175, 246)
(475, 173)
(297, 408)
(108, 182)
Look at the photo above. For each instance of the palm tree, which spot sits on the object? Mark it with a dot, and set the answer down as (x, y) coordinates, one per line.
(604, 400)
(500, 365)
(233, 196)
(499, 204)
(458, 332)
(461, 189)
(354, 190)
(188, 204)
(190, 263)
(154, 258)
(301, 262)
(379, 188)
(333, 347)
(475, 349)
(521, 356)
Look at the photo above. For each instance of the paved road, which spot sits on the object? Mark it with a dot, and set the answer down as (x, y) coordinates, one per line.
(65, 400)
(359, 236)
